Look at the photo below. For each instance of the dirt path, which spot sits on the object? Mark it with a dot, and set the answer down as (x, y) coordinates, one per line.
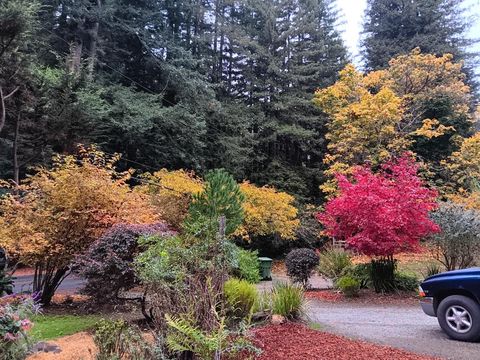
(404, 327)
(74, 347)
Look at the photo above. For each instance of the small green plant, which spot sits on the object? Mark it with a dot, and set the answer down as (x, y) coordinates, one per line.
(247, 266)
(6, 283)
(361, 272)
(300, 264)
(433, 269)
(241, 297)
(116, 340)
(348, 285)
(288, 300)
(405, 281)
(333, 263)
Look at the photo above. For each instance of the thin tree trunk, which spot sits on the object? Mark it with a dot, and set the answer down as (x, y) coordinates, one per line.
(3, 113)
(16, 166)
(93, 44)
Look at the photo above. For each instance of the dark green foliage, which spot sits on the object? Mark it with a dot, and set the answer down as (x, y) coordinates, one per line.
(246, 265)
(300, 263)
(309, 232)
(361, 272)
(405, 281)
(6, 283)
(382, 275)
(221, 197)
(349, 285)
(394, 27)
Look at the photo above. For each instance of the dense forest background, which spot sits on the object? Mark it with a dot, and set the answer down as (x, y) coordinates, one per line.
(199, 84)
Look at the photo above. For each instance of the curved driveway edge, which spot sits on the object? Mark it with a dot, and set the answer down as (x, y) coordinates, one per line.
(404, 327)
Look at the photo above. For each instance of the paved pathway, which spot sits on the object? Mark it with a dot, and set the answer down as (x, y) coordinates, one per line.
(70, 285)
(404, 327)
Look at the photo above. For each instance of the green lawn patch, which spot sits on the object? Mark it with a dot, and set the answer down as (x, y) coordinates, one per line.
(48, 327)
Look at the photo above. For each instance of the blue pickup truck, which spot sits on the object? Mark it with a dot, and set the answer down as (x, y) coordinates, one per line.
(453, 297)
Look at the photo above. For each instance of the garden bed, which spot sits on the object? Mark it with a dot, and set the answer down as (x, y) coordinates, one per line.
(365, 296)
(297, 342)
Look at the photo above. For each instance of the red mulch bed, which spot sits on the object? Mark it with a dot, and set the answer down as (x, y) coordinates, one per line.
(366, 296)
(293, 341)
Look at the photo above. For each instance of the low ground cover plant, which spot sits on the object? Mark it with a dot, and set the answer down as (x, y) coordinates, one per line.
(349, 285)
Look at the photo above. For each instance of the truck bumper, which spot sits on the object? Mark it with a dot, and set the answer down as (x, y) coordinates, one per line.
(427, 306)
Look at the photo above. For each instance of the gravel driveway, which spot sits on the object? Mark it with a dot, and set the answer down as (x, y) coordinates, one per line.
(404, 327)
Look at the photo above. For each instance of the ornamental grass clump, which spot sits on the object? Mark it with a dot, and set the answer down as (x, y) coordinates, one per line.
(241, 297)
(288, 300)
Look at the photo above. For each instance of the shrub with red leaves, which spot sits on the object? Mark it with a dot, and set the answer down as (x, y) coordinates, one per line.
(384, 213)
(108, 264)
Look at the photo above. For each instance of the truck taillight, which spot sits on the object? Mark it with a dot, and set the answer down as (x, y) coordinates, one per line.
(421, 293)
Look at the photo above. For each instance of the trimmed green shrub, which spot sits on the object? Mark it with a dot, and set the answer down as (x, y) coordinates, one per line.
(334, 263)
(405, 281)
(247, 266)
(241, 296)
(300, 264)
(288, 300)
(348, 285)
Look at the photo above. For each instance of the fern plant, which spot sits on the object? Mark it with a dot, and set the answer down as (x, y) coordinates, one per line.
(184, 336)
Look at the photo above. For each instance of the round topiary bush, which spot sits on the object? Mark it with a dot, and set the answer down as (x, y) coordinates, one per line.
(300, 264)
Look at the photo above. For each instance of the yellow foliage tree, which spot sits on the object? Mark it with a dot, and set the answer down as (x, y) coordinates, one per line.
(57, 213)
(268, 212)
(171, 193)
(383, 113)
(464, 165)
(364, 124)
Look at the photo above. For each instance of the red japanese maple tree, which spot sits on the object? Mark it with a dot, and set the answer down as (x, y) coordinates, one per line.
(381, 214)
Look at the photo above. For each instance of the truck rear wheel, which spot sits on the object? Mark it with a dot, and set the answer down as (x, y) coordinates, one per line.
(459, 317)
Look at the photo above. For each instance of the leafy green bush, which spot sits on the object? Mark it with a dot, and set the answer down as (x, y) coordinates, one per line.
(348, 285)
(288, 300)
(241, 296)
(246, 265)
(361, 272)
(300, 264)
(405, 281)
(115, 340)
(457, 245)
(334, 263)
